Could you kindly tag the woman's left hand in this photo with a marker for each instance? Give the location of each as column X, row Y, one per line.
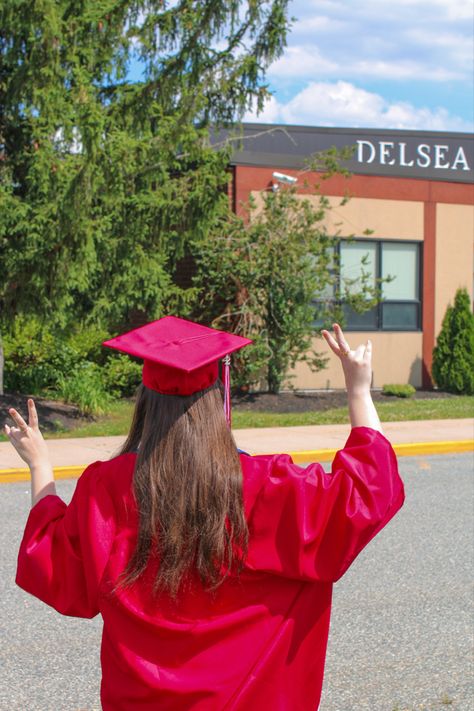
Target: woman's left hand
column 27, row 438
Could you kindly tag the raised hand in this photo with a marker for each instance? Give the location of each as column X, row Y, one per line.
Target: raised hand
column 27, row 438
column 357, row 367
column 356, row 364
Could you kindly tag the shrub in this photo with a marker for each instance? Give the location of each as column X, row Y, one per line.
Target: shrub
column 403, row 390
column 39, row 360
column 121, row 375
column 87, row 343
column 85, row 388
column 35, row 357
column 453, row 355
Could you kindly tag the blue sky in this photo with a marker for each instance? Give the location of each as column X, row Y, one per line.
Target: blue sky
column 376, row 63
column 404, row 64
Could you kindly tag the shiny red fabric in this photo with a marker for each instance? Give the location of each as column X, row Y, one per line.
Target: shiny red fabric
column 171, row 381
column 260, row 641
column 180, row 357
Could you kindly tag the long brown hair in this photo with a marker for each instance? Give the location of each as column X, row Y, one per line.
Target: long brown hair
column 188, row 488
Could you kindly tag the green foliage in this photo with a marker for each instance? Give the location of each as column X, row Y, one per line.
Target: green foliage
column 104, row 181
column 85, row 388
column 43, row 361
column 403, row 390
column 122, row 376
column 34, row 358
column 453, row 355
column 86, row 342
column 261, row 277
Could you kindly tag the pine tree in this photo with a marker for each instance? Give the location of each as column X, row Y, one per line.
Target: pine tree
column 104, row 179
column 453, row 355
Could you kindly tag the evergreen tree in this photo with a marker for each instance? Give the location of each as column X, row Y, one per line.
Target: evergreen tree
column 104, row 179
column 453, row 355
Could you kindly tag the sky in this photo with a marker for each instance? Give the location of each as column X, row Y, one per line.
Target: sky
column 404, row 64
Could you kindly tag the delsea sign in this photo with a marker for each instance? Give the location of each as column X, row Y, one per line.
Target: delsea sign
column 440, row 156
column 431, row 155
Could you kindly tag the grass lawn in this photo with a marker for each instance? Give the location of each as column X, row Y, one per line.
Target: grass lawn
column 118, row 420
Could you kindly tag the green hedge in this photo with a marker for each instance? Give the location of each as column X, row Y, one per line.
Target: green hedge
column 71, row 366
column 403, row 390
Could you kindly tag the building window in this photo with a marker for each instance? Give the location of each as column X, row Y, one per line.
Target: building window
column 400, row 309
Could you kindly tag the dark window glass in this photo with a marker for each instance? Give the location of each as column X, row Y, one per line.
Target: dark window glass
column 400, row 309
column 400, row 317
column 366, row 320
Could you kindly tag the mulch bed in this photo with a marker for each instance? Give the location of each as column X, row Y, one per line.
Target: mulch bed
column 56, row 416
column 53, row 415
column 320, row 400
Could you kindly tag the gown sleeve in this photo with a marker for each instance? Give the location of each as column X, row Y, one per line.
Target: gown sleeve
column 307, row 524
column 65, row 549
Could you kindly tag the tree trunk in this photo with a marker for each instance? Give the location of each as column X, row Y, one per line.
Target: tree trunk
column 274, row 378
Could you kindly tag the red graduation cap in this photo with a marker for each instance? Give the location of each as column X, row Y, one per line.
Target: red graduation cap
column 180, row 357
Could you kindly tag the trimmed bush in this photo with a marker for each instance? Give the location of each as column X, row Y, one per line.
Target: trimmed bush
column 453, row 355
column 403, row 390
column 85, row 388
column 35, row 358
column 121, row 375
column 87, row 343
column 39, row 361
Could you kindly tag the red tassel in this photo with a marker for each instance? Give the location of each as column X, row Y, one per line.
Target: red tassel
column 227, row 406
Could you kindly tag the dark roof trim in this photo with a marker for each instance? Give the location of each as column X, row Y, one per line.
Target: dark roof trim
column 432, row 155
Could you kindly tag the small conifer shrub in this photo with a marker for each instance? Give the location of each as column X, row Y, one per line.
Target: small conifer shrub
column 453, row 355
column 402, row 390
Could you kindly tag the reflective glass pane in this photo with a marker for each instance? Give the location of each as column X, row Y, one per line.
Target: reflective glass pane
column 400, row 261
column 402, row 317
column 327, row 292
column 357, row 258
column 353, row 320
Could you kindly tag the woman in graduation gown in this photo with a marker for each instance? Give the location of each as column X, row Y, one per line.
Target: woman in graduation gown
column 212, row 569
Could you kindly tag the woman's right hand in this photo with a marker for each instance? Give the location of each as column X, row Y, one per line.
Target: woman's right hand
column 356, row 364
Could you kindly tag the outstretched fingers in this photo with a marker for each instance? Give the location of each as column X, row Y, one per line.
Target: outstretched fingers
column 18, row 419
column 338, row 345
column 368, row 350
column 344, row 347
column 32, row 414
column 330, row 341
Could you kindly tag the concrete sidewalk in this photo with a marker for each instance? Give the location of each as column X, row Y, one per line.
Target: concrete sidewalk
column 305, row 444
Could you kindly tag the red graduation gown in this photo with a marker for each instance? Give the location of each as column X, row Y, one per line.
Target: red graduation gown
column 260, row 642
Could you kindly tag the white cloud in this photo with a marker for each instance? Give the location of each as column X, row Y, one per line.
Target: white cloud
column 319, row 22
column 418, row 39
column 458, row 47
column 451, row 9
column 300, row 62
column 307, row 62
column 343, row 104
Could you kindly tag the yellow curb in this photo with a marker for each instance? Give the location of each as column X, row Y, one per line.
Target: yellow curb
column 301, row 457
column 403, row 450
column 19, row 474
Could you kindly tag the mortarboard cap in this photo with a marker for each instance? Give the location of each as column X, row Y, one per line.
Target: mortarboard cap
column 180, row 357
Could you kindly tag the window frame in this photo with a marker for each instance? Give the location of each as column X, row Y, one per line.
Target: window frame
column 418, row 303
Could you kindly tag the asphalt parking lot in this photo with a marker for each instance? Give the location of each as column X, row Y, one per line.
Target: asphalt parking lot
column 402, row 626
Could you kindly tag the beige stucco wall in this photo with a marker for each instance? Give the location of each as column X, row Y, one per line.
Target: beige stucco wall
column 388, row 219
column 396, row 359
column 397, row 356
column 454, row 255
